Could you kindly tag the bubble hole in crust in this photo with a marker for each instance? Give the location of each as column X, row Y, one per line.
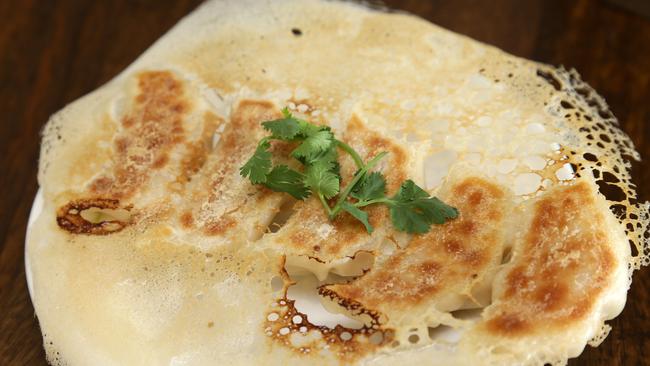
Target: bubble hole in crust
column 600, row 149
column 297, row 320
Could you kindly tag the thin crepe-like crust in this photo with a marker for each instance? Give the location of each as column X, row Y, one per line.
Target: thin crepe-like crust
column 152, row 249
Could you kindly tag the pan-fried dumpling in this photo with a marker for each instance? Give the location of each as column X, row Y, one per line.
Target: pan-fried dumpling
column 450, row 268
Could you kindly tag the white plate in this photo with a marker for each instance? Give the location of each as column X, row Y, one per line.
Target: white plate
column 37, row 207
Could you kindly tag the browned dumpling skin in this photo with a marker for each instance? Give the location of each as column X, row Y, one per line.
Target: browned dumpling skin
column 442, row 268
column 564, row 262
column 567, row 271
column 153, row 128
column 150, row 130
column 217, row 201
column 223, row 204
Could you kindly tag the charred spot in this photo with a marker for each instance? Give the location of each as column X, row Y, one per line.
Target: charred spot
column 347, row 344
column 283, row 321
column 296, row 32
column 72, row 219
column 351, row 305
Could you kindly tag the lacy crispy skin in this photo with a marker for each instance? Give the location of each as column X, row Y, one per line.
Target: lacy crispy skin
column 151, row 249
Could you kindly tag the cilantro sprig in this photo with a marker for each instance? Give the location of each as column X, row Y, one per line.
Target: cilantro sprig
column 411, row 209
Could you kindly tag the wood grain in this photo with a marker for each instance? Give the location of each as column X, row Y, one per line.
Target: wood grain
column 52, row 52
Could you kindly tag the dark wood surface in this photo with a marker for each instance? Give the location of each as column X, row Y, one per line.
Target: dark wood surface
column 52, row 52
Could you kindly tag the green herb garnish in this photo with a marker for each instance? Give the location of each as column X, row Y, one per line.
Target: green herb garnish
column 411, row 210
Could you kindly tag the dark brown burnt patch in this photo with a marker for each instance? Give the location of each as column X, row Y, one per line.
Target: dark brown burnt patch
column 290, row 328
column 71, row 218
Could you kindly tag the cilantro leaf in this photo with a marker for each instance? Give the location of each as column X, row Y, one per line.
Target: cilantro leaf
column 283, row 129
column 290, row 127
column 284, row 179
column 413, row 211
column 314, row 145
column 443, row 211
column 320, row 178
column 308, row 129
column 357, row 214
column 259, row 165
column 328, row 160
column 371, row 187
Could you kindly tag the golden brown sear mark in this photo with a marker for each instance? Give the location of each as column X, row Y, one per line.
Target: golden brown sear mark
column 237, row 143
column 223, row 202
column 152, row 127
column 564, row 265
column 69, row 217
column 220, row 226
column 197, row 152
column 449, row 260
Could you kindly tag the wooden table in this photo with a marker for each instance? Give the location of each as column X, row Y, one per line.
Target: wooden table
column 52, row 52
